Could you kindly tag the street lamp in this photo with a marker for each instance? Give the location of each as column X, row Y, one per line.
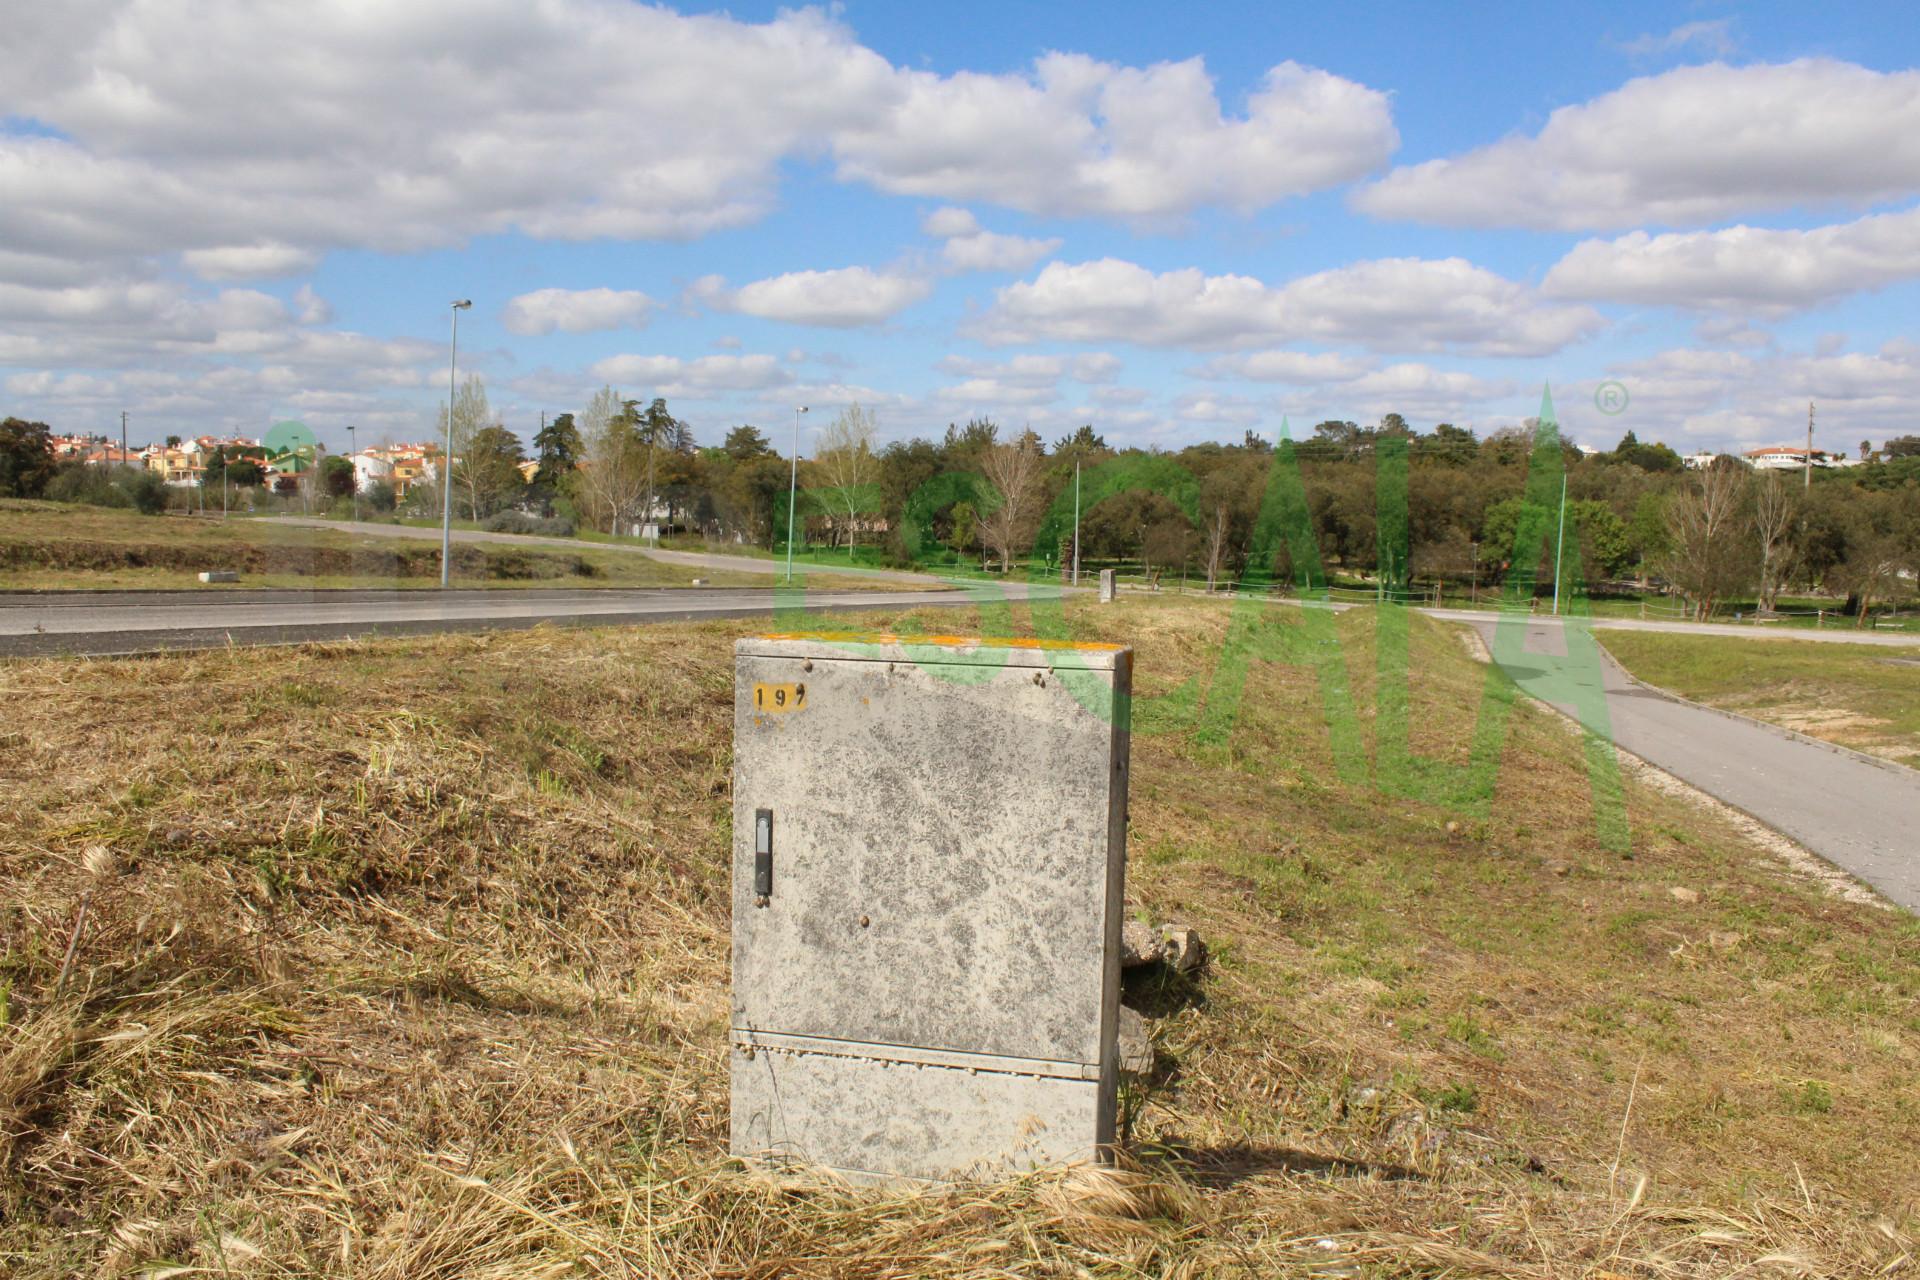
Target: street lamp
column 446, row 456
column 793, row 485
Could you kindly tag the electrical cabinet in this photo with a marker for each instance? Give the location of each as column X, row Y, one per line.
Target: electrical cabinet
column 928, row 859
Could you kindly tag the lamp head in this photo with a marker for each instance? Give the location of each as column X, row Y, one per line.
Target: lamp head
column 463, row 304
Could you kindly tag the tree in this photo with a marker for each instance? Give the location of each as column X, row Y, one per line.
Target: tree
column 1083, row 445
column 1608, row 546
column 1775, row 513
column 964, row 446
column 613, row 472
column 1882, row 549
column 380, row 495
column 26, row 458
column 846, row 460
column 1454, row 446
column 745, row 443
column 471, row 414
column 173, row 442
column 963, row 528
column 1229, row 499
column 336, row 476
column 1014, row 472
column 1649, row 532
column 490, row 471
column 1708, row 558
column 557, row 447
column 657, row 429
column 1902, row 447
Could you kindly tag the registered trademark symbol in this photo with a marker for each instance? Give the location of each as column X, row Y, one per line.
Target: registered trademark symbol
column 1610, row 398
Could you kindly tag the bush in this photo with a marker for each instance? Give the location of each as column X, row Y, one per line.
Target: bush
column 521, row 522
column 142, row 490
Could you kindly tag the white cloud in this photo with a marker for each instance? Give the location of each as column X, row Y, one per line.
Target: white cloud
column 1743, row 268
column 1419, row 390
column 576, row 311
column 845, row 297
column 45, row 385
column 1216, row 408
column 1079, row 136
column 948, row 222
column 969, row 247
column 250, row 262
column 988, row 395
column 271, row 137
column 1095, row 366
column 309, row 307
column 1397, row 304
column 1691, row 145
column 672, row 376
column 1713, row 36
column 1299, row 368
column 1715, row 398
column 988, row 251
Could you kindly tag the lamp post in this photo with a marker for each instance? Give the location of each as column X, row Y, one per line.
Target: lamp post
column 353, row 452
column 1560, row 543
column 446, row 456
column 1076, row 522
column 793, row 485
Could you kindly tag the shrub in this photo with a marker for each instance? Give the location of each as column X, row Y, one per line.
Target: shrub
column 521, row 522
column 142, row 490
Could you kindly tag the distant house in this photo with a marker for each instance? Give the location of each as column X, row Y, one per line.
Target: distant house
column 370, row 466
column 1789, row 458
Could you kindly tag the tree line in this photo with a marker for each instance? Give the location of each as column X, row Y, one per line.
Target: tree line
column 1635, row 518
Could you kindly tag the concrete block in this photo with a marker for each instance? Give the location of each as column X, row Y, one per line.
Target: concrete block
column 929, row 846
column 219, row 575
column 1106, row 586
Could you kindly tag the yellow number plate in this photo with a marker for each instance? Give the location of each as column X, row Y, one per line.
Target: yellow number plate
column 779, row 697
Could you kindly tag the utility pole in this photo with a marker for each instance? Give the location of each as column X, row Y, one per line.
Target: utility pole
column 446, row 458
column 123, row 437
column 793, row 484
column 1809, row 480
column 1561, row 544
column 353, row 454
column 1076, row 522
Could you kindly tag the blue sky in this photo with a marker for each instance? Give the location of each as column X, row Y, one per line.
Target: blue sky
column 1175, row 222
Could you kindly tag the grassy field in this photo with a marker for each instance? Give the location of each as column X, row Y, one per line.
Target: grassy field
column 47, row 546
column 408, row 959
column 1862, row 696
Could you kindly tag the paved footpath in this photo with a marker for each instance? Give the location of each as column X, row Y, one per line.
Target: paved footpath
column 1863, row 816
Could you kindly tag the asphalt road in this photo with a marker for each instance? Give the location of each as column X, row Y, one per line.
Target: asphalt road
column 100, row 624
column 1858, row 814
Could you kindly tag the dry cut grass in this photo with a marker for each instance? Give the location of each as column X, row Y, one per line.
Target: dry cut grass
column 51, row 546
column 1857, row 695
column 408, row 959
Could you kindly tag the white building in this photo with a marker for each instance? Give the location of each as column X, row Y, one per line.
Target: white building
column 370, row 465
column 1784, row 457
